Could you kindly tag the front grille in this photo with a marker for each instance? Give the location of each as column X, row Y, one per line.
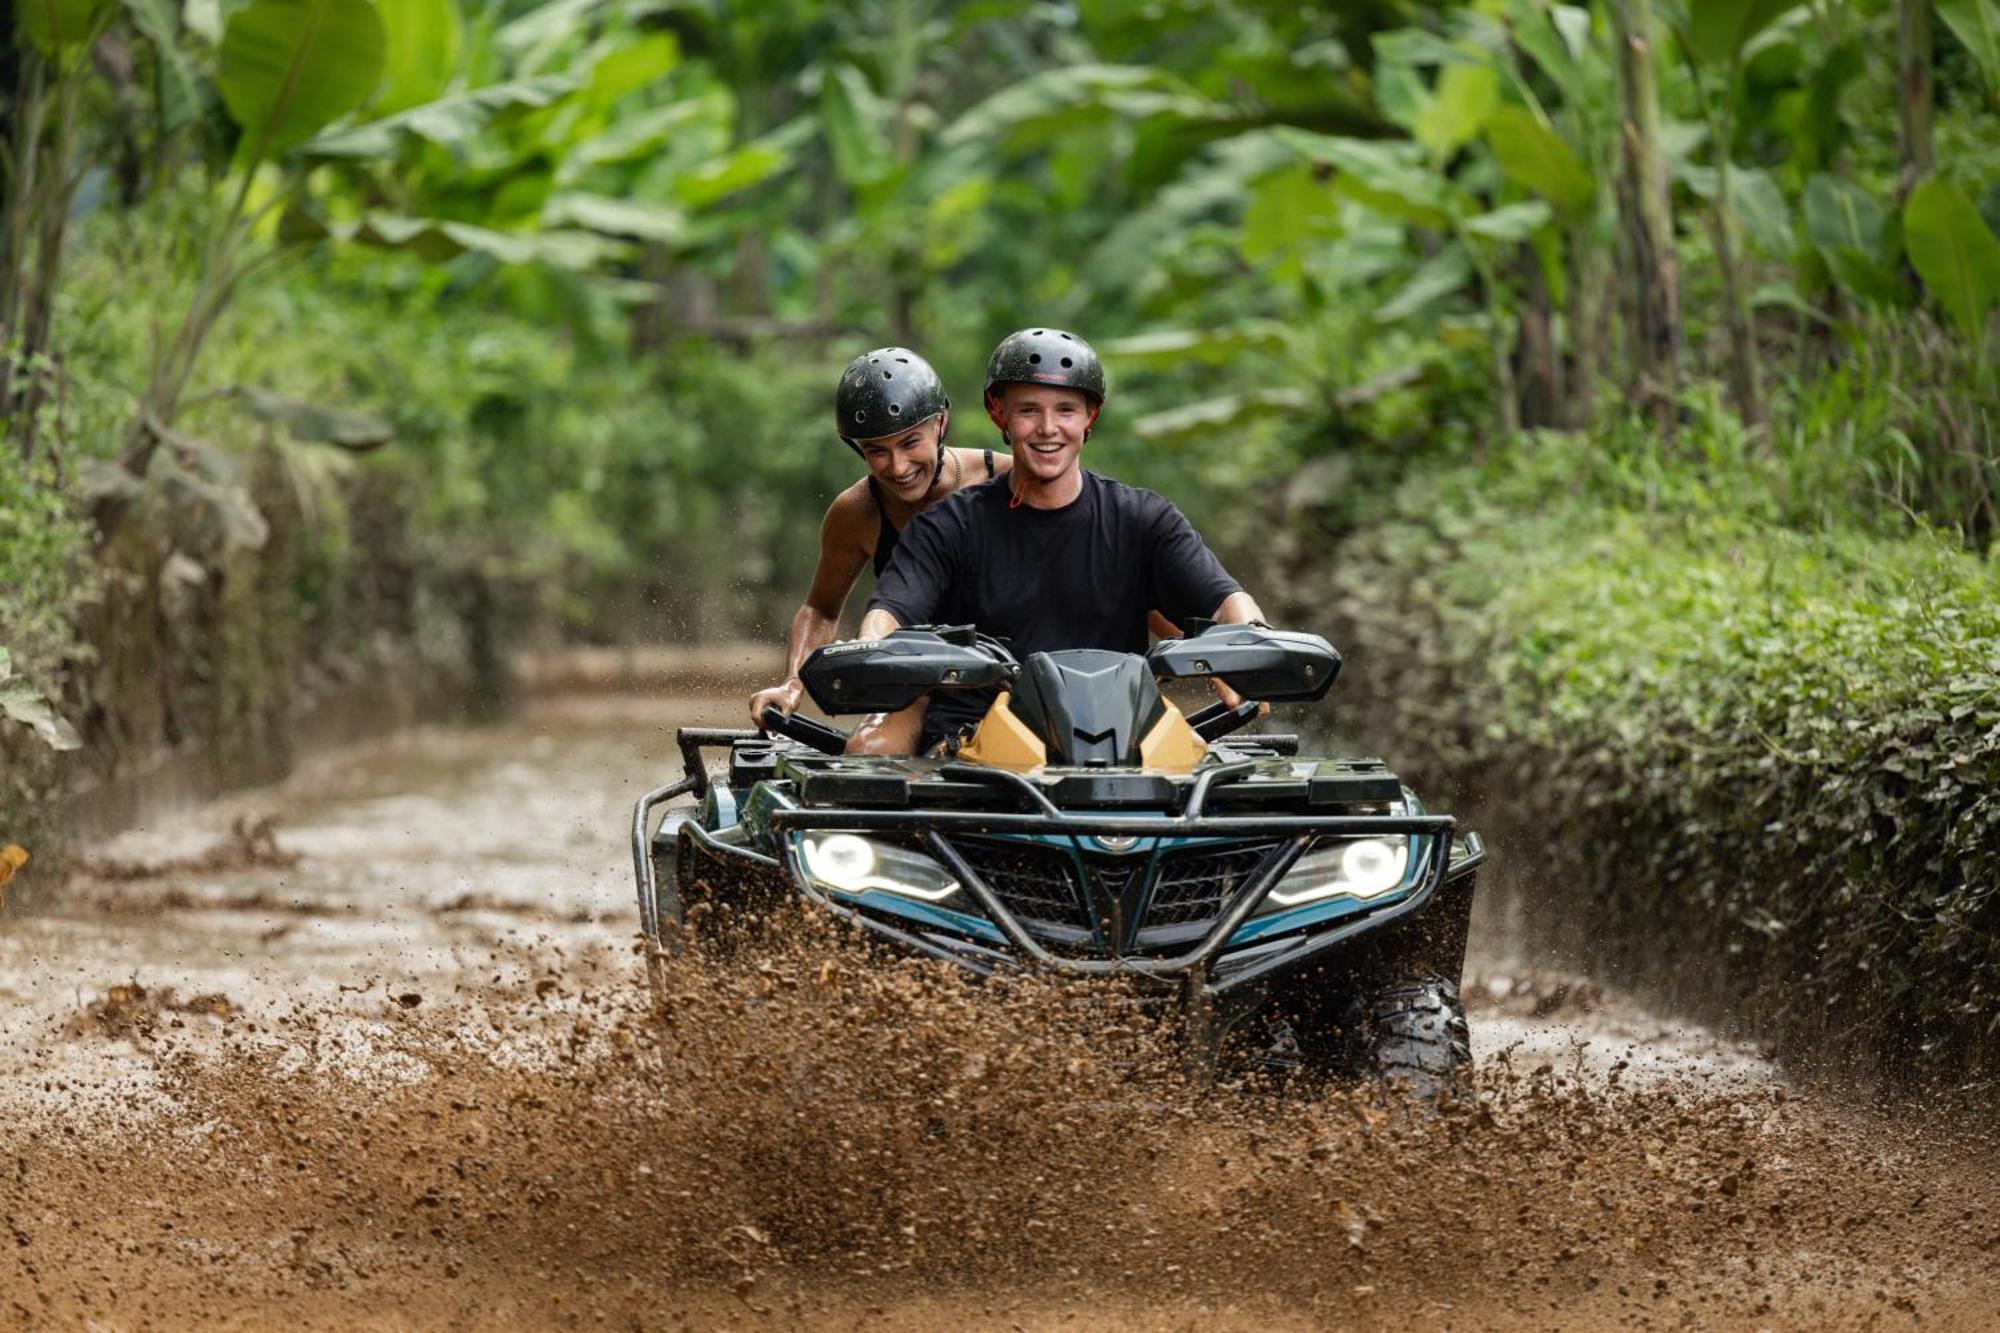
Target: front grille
column 1196, row 885
column 1036, row 883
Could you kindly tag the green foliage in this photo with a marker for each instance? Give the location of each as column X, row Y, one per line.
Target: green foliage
column 1536, row 156
column 58, row 27
column 1859, row 239
column 1976, row 24
column 1718, row 30
column 1779, row 751
column 1954, row 253
column 289, row 68
column 423, row 39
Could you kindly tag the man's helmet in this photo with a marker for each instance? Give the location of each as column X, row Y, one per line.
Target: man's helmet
column 1045, row 356
column 885, row 392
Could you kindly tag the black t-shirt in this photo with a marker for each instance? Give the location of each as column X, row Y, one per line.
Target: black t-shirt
column 1083, row 576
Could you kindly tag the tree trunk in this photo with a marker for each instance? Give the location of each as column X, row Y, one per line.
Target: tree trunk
column 1746, row 381
column 1589, row 279
column 1541, row 366
column 1913, row 93
column 1647, row 218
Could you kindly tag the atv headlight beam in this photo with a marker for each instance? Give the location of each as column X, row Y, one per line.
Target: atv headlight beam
column 850, row 863
column 1360, row 868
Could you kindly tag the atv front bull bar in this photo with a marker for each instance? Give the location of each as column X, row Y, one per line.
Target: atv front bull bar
column 1191, row 966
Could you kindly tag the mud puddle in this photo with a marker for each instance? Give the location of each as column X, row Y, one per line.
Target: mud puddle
column 387, row 1061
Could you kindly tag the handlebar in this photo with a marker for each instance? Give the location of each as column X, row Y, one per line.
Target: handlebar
column 818, row 735
column 1218, row 719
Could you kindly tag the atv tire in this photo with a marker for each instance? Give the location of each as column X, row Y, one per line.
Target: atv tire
column 1411, row 1036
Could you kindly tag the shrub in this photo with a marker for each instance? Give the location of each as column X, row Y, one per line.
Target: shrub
column 1727, row 749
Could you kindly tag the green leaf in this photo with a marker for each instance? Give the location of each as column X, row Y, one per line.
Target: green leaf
column 853, row 118
column 740, row 168
column 1512, row 224
column 1953, row 252
column 633, row 65
column 289, row 68
column 55, row 26
column 635, row 136
column 1444, row 273
column 447, row 122
column 1211, row 185
column 178, row 89
column 539, row 27
column 636, row 218
column 25, row 704
column 6, row 664
column 317, row 423
column 437, row 240
column 1169, row 348
column 1387, row 176
column 1856, row 235
column 1413, row 46
column 1544, row 32
column 1538, row 158
column 1754, row 199
column 1400, row 94
column 1045, row 105
column 1456, row 111
column 1224, row 413
column 1288, row 210
column 1976, row 24
column 1718, row 29
column 424, row 38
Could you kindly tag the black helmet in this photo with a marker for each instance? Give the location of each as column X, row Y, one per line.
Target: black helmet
column 1045, row 356
column 885, row 391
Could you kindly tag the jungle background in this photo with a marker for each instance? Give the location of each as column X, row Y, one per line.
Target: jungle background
column 1616, row 383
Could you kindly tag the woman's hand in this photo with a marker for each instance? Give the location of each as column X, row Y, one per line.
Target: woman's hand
column 785, row 698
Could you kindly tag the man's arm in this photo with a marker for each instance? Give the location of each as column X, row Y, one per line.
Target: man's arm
column 817, row 621
column 1239, row 608
column 878, row 624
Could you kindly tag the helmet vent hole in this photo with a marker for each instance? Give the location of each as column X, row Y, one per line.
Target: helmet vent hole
column 860, row 415
column 1067, row 363
column 1066, row 338
column 1034, row 358
column 895, row 409
column 888, row 374
column 904, row 359
column 1038, row 333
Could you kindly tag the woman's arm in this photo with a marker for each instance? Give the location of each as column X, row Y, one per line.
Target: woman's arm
column 843, row 550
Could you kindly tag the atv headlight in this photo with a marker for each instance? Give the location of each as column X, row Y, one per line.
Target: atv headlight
column 850, row 863
column 1361, row 868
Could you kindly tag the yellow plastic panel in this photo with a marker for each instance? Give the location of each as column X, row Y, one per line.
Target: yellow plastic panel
column 1172, row 744
column 1004, row 741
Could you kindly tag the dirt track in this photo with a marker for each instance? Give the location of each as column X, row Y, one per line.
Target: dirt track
column 391, row 1065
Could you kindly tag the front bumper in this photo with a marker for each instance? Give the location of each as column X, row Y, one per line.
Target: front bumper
column 1214, row 966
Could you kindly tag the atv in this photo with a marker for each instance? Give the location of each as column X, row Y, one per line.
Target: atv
column 1300, row 913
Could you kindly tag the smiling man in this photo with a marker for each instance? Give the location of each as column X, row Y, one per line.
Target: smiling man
column 1051, row 556
column 891, row 409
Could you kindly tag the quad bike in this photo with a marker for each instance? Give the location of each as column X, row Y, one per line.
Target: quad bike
column 1300, row 913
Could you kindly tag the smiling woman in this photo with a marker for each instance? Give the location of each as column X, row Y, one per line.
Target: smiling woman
column 890, row 408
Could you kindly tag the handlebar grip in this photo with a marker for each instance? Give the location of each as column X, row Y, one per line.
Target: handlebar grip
column 1214, row 725
column 818, row 735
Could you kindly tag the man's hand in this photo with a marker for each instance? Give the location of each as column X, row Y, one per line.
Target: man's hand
column 785, row 698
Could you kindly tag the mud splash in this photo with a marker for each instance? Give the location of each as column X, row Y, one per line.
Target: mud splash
column 482, row 1118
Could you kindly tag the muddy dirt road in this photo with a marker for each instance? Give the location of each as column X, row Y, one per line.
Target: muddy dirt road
column 389, row 1064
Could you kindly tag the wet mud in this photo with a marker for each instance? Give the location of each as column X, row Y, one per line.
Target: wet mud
column 390, row 1061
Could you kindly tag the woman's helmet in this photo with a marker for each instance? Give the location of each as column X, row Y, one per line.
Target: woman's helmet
column 885, row 392
column 1045, row 356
